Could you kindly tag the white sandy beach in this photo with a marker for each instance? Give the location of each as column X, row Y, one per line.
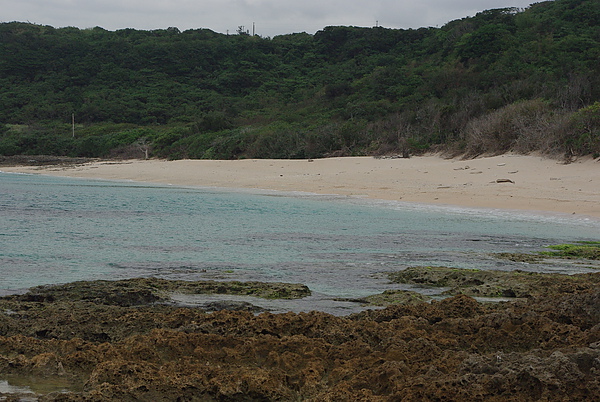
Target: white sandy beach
column 536, row 183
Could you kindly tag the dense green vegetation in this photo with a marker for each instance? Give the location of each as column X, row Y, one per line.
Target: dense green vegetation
column 505, row 79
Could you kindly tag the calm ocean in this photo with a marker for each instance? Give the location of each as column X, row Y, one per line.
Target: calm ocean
column 57, row 230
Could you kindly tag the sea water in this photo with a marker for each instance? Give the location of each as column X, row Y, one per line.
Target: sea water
column 59, row 230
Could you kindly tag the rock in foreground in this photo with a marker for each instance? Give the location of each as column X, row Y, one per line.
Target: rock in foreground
column 541, row 348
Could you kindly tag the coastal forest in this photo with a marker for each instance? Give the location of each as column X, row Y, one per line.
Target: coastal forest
column 504, row 80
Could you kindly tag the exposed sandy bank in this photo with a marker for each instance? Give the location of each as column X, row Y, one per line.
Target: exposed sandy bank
column 509, row 181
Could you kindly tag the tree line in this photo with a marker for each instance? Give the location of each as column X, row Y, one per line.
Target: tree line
column 504, row 80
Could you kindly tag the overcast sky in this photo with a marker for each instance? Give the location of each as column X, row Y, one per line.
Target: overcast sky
column 271, row 17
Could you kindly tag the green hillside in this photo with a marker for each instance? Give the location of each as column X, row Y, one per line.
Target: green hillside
column 503, row 80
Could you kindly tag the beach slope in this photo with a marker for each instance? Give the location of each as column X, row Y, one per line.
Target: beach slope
column 518, row 182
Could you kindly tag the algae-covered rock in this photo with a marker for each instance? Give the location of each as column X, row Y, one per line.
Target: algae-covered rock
column 481, row 283
column 391, row 297
column 541, row 348
column 584, row 250
column 143, row 291
column 580, row 250
column 520, row 257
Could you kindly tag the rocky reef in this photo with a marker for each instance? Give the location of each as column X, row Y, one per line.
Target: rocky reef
column 485, row 283
column 138, row 291
column 124, row 341
column 587, row 253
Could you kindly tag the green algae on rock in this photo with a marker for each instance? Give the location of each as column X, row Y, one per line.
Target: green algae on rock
column 586, row 250
column 583, row 250
column 479, row 283
column 142, row 291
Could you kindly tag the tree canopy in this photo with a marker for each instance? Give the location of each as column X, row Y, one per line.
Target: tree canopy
column 505, row 79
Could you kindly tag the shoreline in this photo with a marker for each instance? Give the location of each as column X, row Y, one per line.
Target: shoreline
column 140, row 339
column 506, row 182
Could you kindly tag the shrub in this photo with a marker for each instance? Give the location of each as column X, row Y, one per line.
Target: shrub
column 522, row 127
column 583, row 136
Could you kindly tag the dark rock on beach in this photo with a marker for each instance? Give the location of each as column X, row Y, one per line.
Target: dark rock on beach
column 138, row 347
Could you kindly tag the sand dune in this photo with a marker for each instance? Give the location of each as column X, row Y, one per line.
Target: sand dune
column 508, row 181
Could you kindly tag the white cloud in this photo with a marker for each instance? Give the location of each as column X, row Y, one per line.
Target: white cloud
column 272, row 17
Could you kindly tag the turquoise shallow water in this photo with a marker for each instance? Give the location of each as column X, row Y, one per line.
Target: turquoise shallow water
column 57, row 230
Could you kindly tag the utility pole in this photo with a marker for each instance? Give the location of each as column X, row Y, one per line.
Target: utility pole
column 73, row 123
